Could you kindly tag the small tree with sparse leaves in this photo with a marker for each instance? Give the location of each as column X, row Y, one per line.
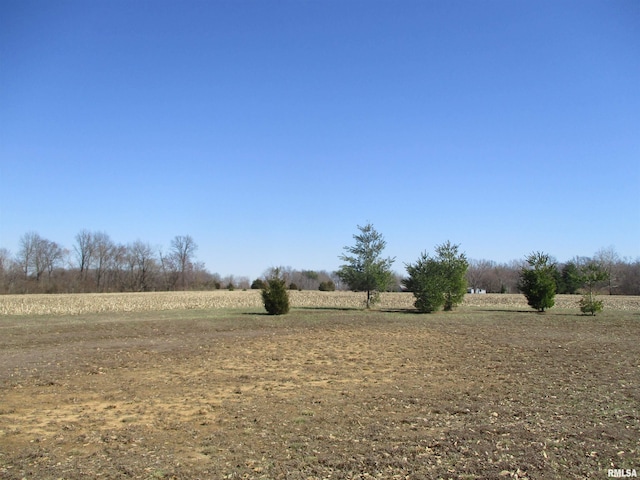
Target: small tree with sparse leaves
column 275, row 295
column 591, row 275
column 365, row 270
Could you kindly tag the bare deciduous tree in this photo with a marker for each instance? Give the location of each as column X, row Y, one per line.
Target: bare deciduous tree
column 609, row 259
column 103, row 252
column 5, row 268
column 480, row 274
column 27, row 251
column 38, row 255
column 629, row 281
column 116, row 275
column 170, row 270
column 84, row 252
column 182, row 249
column 52, row 256
column 141, row 266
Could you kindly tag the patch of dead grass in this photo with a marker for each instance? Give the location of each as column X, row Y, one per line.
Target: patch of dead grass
column 81, row 304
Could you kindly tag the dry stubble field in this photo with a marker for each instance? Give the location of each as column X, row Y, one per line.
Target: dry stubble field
column 204, row 385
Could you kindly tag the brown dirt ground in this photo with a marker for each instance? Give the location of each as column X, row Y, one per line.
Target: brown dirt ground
column 321, row 393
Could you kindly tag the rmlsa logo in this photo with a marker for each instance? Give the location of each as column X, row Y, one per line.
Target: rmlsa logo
column 622, row 472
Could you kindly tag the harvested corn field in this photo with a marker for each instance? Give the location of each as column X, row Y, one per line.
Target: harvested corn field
column 78, row 304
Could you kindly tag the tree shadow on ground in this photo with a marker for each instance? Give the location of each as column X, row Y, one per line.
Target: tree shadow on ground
column 400, row 310
column 343, row 309
column 507, row 310
column 310, row 309
column 535, row 312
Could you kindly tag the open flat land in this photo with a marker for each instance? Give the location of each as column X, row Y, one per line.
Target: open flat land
column 204, row 385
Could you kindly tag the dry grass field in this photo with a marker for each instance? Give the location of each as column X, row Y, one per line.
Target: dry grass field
column 77, row 304
column 206, row 386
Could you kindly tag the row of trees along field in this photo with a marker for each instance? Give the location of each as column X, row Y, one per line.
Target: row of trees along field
column 96, row 263
column 441, row 281
column 623, row 274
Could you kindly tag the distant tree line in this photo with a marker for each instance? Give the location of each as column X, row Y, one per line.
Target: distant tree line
column 623, row 274
column 301, row 279
column 96, row 263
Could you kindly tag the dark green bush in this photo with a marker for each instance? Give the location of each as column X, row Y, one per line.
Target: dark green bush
column 257, row 284
column 327, row 286
column 537, row 281
column 275, row 296
column 425, row 284
column 438, row 282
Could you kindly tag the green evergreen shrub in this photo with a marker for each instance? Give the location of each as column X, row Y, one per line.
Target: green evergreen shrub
column 590, row 305
column 592, row 275
column 537, row 281
column 440, row 281
column 275, row 295
column 327, row 286
column 365, row 270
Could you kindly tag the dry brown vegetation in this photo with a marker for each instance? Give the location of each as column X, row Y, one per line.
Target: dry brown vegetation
column 77, row 304
column 328, row 391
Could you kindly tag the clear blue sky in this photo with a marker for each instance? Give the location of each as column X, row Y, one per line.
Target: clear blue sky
column 267, row 130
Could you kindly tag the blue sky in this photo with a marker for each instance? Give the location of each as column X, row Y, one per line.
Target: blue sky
column 267, row 130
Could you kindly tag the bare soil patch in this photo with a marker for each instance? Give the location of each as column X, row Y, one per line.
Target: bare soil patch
column 321, row 393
